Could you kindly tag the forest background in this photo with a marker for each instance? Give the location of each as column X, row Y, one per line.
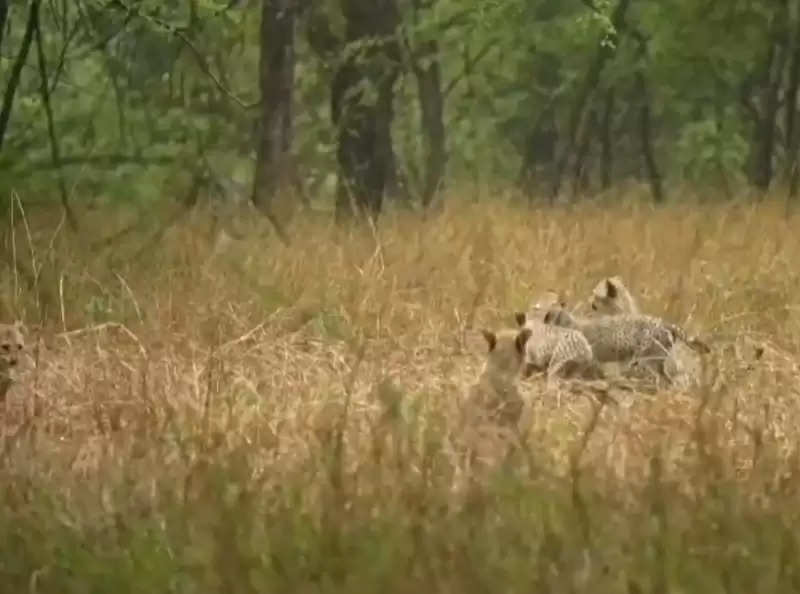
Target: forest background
column 253, row 243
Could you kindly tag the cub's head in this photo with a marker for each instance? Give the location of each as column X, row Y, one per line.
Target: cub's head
column 611, row 296
column 12, row 343
column 506, row 349
column 560, row 317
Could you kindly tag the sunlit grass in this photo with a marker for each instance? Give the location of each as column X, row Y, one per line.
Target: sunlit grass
column 200, row 416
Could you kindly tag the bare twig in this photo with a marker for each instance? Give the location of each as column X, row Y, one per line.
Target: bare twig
column 106, row 326
column 62, row 56
column 16, row 69
column 470, row 63
column 54, row 150
column 179, row 32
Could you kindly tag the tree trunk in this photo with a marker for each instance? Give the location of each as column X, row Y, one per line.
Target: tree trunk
column 765, row 131
column 276, row 78
column 606, row 135
column 577, row 118
column 792, row 144
column 766, row 125
column 364, row 153
column 580, row 172
column 429, row 82
column 645, row 131
column 427, row 71
column 540, row 151
column 3, row 17
column 16, row 70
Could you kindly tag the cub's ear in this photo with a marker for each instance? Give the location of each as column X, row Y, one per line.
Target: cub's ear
column 550, row 317
column 520, row 318
column 522, row 339
column 611, row 288
column 491, row 339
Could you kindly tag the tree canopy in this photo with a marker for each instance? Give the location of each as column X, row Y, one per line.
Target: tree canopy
column 147, row 100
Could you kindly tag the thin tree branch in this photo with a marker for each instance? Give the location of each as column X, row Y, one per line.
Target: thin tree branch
column 180, row 33
column 16, row 70
column 69, row 36
column 102, row 43
column 110, row 160
column 471, row 62
column 201, row 61
column 51, row 130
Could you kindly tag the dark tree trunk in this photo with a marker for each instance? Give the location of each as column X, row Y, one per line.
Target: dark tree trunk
column 276, row 78
column 765, row 131
column 792, row 144
column 3, row 17
column 791, row 97
column 607, row 145
column 770, row 104
column 645, row 135
column 583, row 101
column 16, row 70
column 580, row 172
column 540, row 150
column 427, row 71
column 364, row 153
column 396, row 180
column 429, row 82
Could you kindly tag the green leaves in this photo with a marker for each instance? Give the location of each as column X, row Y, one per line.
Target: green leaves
column 710, row 147
column 149, row 77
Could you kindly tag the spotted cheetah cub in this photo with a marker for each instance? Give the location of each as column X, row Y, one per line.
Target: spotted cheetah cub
column 628, row 337
column 496, row 390
column 611, row 296
column 558, row 351
column 12, row 343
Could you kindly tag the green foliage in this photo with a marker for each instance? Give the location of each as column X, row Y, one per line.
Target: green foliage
column 143, row 91
column 710, row 148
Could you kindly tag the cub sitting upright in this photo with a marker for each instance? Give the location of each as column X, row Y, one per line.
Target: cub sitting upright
column 496, row 389
column 12, row 343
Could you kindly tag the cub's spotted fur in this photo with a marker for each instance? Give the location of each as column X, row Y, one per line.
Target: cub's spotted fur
column 560, row 352
column 12, row 344
column 612, row 297
column 627, row 337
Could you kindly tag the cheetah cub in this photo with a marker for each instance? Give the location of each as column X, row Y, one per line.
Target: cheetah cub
column 560, row 352
column 496, row 389
column 628, row 337
column 12, row 343
column 611, row 296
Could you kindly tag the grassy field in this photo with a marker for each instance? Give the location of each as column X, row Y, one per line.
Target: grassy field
column 263, row 418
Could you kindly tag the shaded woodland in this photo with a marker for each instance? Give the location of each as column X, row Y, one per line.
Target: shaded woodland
column 350, row 104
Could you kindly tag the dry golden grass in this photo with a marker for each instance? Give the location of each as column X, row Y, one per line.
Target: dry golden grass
column 342, row 359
